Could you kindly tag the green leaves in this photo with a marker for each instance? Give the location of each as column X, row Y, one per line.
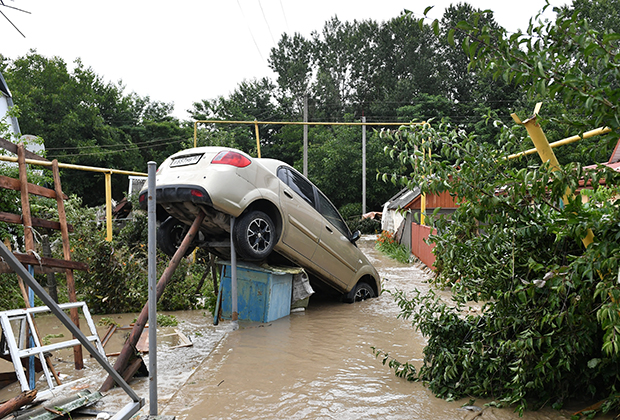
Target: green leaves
column 549, row 328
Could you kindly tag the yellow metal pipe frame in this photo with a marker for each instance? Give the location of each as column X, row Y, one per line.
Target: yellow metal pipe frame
column 568, row 140
column 546, row 153
column 108, row 207
column 108, row 182
column 256, row 123
column 257, row 137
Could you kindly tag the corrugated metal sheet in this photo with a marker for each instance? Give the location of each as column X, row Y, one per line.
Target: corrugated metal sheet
column 419, row 248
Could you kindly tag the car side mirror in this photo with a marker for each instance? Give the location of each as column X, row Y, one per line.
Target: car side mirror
column 355, row 237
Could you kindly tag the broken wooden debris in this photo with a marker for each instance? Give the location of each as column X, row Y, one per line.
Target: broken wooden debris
column 130, row 346
column 17, row 402
column 143, row 343
column 109, row 333
column 55, row 408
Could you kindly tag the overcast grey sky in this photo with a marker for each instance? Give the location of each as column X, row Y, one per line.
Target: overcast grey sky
column 183, row 51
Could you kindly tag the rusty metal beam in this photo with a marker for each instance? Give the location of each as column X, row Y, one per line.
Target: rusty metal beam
column 129, row 347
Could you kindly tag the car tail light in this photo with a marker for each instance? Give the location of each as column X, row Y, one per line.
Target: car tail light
column 231, row 158
column 196, row 193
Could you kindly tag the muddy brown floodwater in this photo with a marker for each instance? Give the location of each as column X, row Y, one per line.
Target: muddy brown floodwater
column 316, row 364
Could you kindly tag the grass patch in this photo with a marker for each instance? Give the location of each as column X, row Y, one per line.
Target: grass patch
column 390, row 247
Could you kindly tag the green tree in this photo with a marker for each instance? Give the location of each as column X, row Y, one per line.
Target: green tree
column 251, row 100
column 547, row 328
column 87, row 121
column 292, row 60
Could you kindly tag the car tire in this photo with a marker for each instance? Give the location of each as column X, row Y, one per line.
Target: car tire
column 255, row 236
column 170, row 235
column 361, row 291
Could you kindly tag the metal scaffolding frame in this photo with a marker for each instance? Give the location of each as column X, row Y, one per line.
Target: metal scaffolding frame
column 130, row 409
column 19, row 349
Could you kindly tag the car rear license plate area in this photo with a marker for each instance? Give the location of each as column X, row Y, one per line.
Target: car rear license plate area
column 186, row 160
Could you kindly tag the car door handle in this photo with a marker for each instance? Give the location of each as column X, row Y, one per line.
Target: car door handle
column 288, row 194
column 329, row 229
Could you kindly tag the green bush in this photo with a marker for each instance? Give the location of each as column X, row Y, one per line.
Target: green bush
column 365, row 226
column 390, row 247
column 548, row 325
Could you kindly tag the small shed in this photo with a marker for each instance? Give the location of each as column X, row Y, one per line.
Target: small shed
column 401, row 217
column 405, row 208
column 393, row 214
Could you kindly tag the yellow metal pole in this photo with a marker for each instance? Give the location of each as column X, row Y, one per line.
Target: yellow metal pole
column 257, row 137
column 423, row 198
column 568, row 140
column 308, row 123
column 108, row 205
column 540, row 142
column 546, row 153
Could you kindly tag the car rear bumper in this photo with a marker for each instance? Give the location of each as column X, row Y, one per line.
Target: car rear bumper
column 177, row 194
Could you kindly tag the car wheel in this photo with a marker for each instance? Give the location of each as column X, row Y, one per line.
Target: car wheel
column 170, row 235
column 255, row 236
column 361, row 291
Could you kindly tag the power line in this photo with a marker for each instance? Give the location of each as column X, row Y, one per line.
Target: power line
column 6, row 17
column 284, row 14
column 267, row 23
column 147, row 143
column 250, row 30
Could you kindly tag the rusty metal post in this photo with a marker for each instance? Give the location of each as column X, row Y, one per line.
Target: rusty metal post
column 233, row 274
column 129, row 347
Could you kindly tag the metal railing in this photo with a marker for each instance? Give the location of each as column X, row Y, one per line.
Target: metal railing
column 108, row 182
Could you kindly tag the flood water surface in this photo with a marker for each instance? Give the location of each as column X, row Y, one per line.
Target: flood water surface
column 319, row 364
column 316, row 364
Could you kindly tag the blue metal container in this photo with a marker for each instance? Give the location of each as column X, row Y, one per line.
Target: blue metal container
column 262, row 295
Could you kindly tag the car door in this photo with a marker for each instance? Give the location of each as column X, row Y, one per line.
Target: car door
column 302, row 224
column 335, row 252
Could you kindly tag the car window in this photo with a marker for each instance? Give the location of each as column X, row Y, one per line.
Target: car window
column 283, row 174
column 327, row 209
column 298, row 183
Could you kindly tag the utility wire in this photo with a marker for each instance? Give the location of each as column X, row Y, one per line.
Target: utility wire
column 267, row 23
column 250, row 30
column 284, row 14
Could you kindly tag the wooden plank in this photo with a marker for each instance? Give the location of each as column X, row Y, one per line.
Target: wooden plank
column 5, row 268
column 185, row 342
column 12, row 147
column 50, row 262
column 36, row 222
column 66, row 250
column 9, row 183
column 132, row 369
column 28, row 235
column 143, row 343
column 108, row 335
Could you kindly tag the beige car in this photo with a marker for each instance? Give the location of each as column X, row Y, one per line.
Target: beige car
column 280, row 217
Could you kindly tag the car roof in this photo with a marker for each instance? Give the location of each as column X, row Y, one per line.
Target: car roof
column 271, row 165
